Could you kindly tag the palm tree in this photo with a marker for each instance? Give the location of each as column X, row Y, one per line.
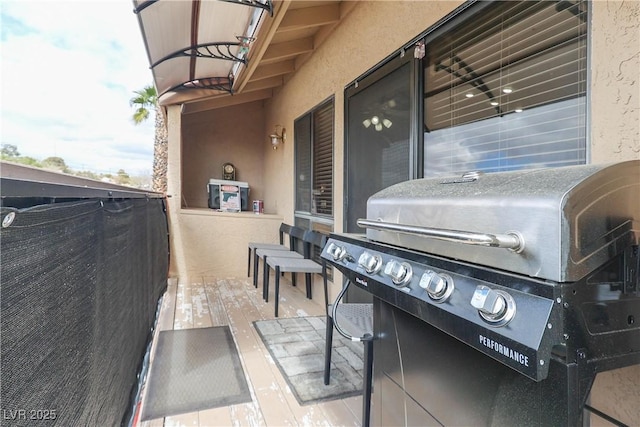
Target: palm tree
column 144, row 100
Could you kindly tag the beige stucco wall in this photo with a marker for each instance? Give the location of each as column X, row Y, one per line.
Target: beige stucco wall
column 614, row 132
column 371, row 31
column 218, row 241
column 212, row 138
column 615, row 81
column 204, row 242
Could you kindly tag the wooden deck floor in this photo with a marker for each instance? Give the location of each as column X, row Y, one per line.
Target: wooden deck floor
column 235, row 302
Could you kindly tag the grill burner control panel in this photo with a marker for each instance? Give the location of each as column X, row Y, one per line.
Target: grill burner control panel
column 512, row 324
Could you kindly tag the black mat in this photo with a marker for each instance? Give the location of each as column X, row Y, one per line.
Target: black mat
column 297, row 347
column 194, row 370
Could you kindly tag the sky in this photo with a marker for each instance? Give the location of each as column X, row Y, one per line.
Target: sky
column 69, row 69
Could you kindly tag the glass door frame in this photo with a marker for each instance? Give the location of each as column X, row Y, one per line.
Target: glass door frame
column 416, row 149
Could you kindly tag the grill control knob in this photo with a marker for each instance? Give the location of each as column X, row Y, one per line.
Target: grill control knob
column 370, row 262
column 438, row 286
column 337, row 252
column 495, row 306
column 400, row 273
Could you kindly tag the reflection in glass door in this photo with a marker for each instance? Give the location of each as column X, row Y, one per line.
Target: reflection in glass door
column 378, row 146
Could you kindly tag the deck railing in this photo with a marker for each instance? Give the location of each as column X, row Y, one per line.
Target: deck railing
column 82, row 270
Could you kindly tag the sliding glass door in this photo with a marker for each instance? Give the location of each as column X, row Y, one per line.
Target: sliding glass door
column 378, row 141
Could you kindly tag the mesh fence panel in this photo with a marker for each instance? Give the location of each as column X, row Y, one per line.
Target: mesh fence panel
column 79, row 287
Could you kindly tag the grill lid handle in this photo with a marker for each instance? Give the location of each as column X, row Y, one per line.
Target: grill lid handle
column 511, row 240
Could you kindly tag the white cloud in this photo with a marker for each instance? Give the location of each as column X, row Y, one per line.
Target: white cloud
column 68, row 72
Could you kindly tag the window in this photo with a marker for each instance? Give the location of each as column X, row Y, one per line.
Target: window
column 313, row 135
column 506, row 89
column 314, row 162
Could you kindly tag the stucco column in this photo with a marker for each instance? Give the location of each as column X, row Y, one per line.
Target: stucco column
column 177, row 265
column 615, row 129
column 615, row 81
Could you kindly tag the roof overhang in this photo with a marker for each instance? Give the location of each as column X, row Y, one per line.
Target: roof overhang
column 202, row 52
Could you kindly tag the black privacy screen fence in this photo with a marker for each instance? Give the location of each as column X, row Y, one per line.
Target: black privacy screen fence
column 79, row 290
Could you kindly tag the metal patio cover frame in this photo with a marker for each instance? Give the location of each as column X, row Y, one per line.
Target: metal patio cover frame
column 201, row 55
column 201, row 45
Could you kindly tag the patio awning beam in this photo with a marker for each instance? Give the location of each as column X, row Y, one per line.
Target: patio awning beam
column 214, row 50
column 189, row 41
column 143, row 5
column 266, row 4
column 224, row 84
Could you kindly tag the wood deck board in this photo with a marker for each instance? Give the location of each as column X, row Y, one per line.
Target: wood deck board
column 168, row 309
column 209, row 301
column 268, row 394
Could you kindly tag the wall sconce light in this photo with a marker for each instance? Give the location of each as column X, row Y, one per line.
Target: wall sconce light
column 278, row 138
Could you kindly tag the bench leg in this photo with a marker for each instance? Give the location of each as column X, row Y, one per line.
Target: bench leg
column 277, row 297
column 249, row 264
column 308, row 283
column 265, row 280
column 255, row 269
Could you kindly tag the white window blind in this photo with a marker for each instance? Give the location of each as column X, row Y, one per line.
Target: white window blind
column 323, row 159
column 302, row 135
column 314, row 161
column 506, row 89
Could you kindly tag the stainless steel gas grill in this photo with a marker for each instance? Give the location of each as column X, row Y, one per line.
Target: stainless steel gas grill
column 498, row 297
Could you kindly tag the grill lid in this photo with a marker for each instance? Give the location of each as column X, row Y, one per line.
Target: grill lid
column 557, row 224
